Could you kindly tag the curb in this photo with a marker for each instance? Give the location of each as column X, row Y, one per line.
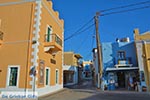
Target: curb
column 53, row 93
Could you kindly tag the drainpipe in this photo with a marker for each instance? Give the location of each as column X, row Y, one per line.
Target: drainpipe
column 29, row 49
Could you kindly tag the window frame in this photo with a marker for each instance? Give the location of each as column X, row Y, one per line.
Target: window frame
column 8, row 75
column 120, row 53
column 49, row 34
column 56, row 76
column 47, row 68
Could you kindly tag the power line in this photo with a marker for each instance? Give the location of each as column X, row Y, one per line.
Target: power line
column 123, row 11
column 82, row 43
column 110, row 13
column 92, row 46
column 87, row 37
column 79, row 30
column 130, row 5
column 77, row 33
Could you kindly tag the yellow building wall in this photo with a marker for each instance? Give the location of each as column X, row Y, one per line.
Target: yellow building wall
column 7, row 1
column 68, row 58
column 15, row 24
column 75, row 61
column 48, row 20
column 138, row 36
column 146, row 53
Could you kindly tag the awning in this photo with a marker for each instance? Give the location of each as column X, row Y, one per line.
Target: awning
column 122, row 69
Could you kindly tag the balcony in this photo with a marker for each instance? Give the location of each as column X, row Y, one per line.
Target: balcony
column 124, row 63
column 52, row 43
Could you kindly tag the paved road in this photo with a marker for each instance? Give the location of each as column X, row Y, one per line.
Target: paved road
column 87, row 92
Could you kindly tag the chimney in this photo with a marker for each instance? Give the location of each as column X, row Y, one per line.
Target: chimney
column 136, row 31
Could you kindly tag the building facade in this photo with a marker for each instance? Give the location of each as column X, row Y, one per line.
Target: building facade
column 119, row 64
column 87, row 69
column 142, row 42
column 31, row 46
column 72, row 71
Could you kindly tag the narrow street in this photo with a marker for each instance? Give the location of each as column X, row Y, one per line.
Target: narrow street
column 86, row 91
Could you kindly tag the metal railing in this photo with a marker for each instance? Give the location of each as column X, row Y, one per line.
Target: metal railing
column 125, row 61
column 53, row 38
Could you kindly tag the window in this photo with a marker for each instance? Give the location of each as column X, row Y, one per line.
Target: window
column 13, row 76
column 49, row 34
column 47, row 77
column 1, row 35
column 57, row 77
column 121, row 55
column 58, row 40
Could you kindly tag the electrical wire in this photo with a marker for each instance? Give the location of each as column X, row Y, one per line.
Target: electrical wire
column 77, row 33
column 92, row 46
column 110, row 13
column 123, row 11
column 82, row 44
column 113, row 12
column 130, row 5
column 79, row 30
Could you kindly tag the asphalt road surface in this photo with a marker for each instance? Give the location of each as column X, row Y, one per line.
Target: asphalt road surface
column 87, row 92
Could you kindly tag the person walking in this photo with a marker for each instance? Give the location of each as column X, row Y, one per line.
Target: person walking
column 130, row 83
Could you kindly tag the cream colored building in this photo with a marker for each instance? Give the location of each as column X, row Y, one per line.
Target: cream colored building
column 143, row 54
column 31, row 46
column 71, row 70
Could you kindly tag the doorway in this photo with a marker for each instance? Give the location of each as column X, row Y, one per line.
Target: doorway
column 121, row 79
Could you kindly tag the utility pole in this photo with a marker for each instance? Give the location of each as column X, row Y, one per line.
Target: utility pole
column 99, row 52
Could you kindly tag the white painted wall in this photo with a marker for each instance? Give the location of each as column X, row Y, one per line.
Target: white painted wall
column 95, row 61
column 49, row 89
column 72, row 68
column 139, row 48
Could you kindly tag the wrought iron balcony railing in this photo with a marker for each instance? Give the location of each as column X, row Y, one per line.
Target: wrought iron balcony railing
column 53, row 41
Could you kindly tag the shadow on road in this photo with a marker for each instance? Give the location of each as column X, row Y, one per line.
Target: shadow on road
column 86, row 91
column 84, row 84
column 113, row 95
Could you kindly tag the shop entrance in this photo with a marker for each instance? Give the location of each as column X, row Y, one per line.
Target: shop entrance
column 121, row 79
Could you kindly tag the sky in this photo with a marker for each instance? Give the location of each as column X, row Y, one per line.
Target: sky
column 76, row 13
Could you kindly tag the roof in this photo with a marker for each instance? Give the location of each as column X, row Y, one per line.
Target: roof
column 78, row 56
column 148, row 32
